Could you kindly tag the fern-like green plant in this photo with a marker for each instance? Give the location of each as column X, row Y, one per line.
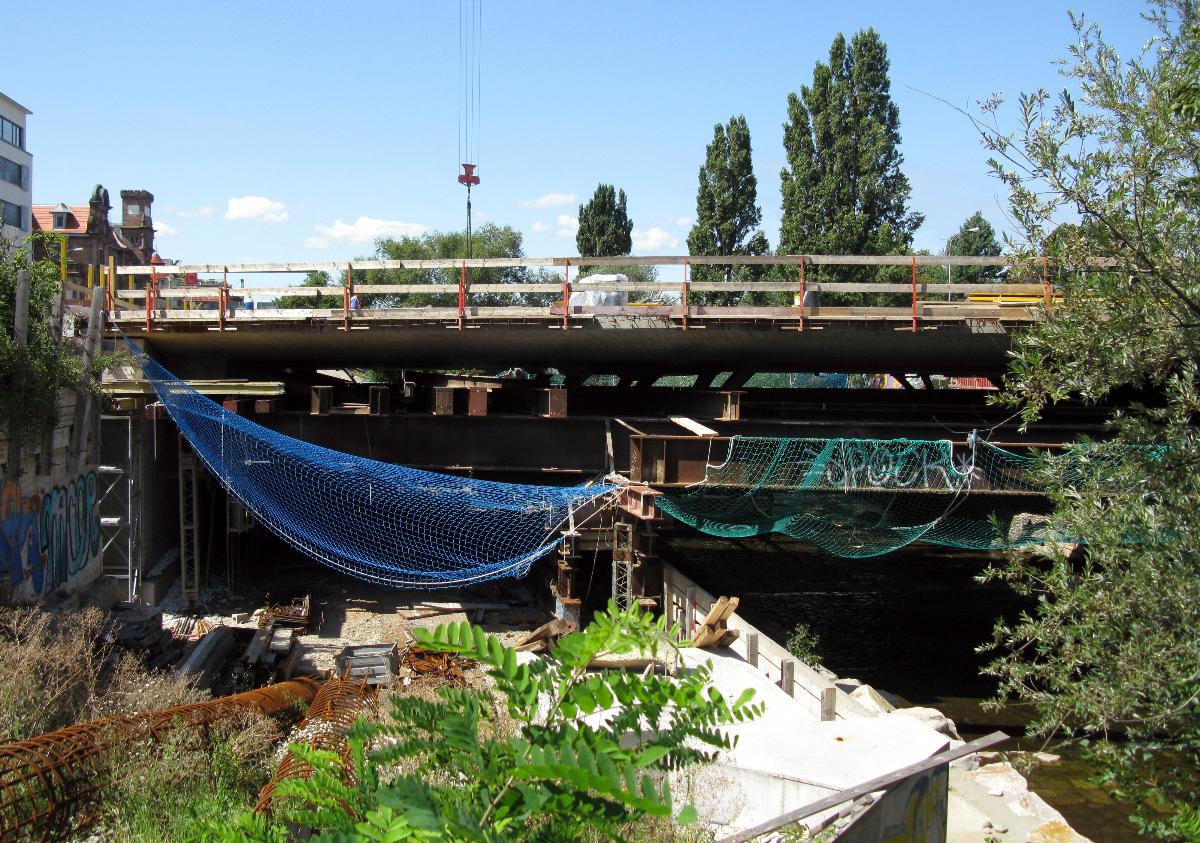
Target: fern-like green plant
column 590, row 754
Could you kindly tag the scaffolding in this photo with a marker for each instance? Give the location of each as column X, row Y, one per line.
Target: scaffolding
column 622, row 563
column 118, row 505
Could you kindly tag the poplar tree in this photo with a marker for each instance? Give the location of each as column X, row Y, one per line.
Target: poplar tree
column 727, row 212
column 604, row 225
column 843, row 190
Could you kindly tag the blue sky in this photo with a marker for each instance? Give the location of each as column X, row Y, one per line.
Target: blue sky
column 299, row 131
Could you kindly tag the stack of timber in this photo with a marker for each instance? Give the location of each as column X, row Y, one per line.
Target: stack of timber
column 273, row 651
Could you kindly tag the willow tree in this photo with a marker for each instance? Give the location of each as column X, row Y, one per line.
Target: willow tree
column 1112, row 643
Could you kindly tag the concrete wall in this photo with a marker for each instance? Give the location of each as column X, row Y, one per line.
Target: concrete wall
column 49, row 516
column 21, row 195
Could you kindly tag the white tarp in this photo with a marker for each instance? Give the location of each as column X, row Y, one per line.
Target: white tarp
column 582, row 297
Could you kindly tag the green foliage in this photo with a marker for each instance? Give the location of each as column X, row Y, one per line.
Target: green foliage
column 487, row 241
column 589, row 758
column 604, row 225
column 32, row 376
column 164, row 789
column 804, row 644
column 727, row 212
column 843, row 190
column 974, row 237
column 332, row 298
column 1111, row 644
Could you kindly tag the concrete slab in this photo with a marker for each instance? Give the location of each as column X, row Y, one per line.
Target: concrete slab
column 786, row 759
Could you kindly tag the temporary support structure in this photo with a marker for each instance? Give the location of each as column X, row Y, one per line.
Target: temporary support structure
column 189, row 521
column 622, row 563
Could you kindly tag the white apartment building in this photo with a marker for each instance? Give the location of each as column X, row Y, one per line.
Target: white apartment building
column 16, row 172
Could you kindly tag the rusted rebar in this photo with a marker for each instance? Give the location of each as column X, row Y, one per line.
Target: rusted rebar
column 330, row 716
column 45, row 780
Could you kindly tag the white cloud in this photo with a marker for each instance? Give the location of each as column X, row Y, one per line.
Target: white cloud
column 550, row 200
column 568, row 225
column 200, row 213
column 164, row 230
column 684, row 222
column 256, row 208
column 538, row 227
column 653, row 239
column 363, row 230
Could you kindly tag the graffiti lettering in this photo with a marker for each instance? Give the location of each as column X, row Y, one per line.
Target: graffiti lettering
column 48, row 537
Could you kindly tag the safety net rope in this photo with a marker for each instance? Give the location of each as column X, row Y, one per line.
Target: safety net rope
column 384, row 523
column 867, row 497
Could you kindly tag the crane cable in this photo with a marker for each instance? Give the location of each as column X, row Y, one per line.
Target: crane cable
column 470, row 49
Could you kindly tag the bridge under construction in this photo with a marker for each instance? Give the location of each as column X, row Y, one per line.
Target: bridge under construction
column 546, row 420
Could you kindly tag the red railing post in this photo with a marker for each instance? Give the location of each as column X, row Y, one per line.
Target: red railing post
column 684, row 295
column 151, row 295
column 567, row 294
column 347, row 292
column 223, row 299
column 1046, row 280
column 803, row 289
column 914, row 294
column 462, row 295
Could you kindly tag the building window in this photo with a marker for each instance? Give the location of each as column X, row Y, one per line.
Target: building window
column 11, row 214
column 12, row 133
column 61, row 220
column 10, row 171
column 134, row 209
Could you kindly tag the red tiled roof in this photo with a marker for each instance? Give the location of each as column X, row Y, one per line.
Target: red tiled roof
column 77, row 222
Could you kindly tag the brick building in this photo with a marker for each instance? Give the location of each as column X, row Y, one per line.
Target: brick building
column 93, row 239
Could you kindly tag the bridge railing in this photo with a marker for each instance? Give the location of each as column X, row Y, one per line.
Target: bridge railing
column 676, row 299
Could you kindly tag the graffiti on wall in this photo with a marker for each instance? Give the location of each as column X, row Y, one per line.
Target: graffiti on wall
column 48, row 537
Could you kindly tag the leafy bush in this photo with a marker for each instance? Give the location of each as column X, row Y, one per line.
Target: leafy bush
column 590, row 756
column 804, row 644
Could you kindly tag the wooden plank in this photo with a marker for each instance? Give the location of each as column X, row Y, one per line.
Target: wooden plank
column 693, row 425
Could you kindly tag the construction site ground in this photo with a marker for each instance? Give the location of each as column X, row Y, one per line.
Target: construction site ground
column 346, row 612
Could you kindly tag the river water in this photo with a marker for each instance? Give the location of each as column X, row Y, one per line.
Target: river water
column 909, row 623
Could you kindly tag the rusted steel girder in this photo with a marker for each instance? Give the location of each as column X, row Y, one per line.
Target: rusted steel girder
column 330, row 715
column 45, row 780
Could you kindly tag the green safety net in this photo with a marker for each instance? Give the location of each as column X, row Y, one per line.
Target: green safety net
column 866, row 497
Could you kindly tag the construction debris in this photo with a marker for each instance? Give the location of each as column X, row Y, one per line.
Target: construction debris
column 206, row 662
column 295, row 613
column 333, row 711
column 375, row 664
column 442, row 665
column 714, row 631
column 546, row 636
column 139, row 629
column 44, row 781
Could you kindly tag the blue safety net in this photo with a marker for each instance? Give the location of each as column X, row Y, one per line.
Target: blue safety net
column 384, row 523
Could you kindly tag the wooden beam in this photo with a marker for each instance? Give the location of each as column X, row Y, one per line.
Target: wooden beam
column 623, row 260
column 694, row 426
column 122, row 388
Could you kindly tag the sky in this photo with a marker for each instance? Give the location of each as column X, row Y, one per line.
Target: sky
column 302, row 131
